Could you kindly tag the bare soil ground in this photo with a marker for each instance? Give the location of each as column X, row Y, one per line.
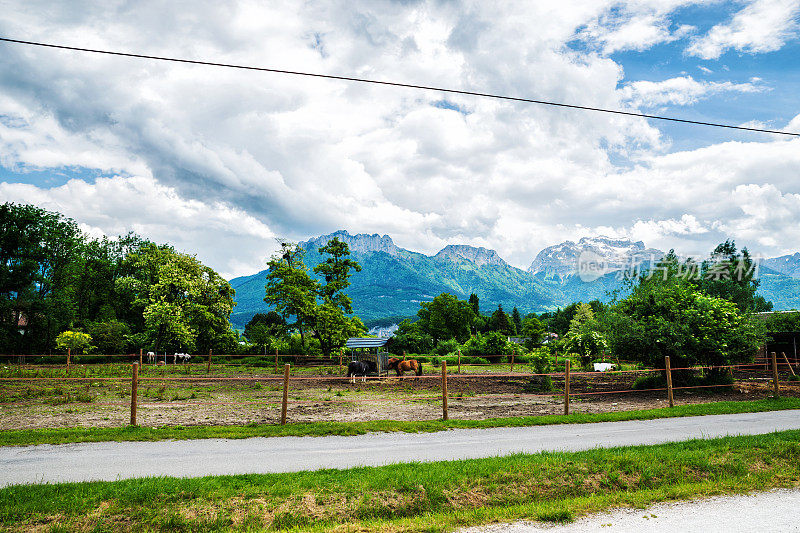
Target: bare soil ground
column 316, row 398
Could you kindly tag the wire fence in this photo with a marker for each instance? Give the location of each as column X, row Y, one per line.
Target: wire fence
column 427, row 388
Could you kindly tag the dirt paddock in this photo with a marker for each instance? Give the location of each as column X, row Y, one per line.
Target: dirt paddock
column 327, row 398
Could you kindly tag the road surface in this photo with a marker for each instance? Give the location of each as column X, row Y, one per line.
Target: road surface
column 776, row 511
column 193, row 458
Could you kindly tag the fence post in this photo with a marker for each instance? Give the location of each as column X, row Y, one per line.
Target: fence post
column 775, row 373
column 512, row 362
column 669, row 381
column 140, row 357
column 134, row 392
column 285, row 393
column 783, row 354
column 208, row 363
column 69, row 352
column 276, row 360
column 444, row 389
column 566, row 387
column 459, row 361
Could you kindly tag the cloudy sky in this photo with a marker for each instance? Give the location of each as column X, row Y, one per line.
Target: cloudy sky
column 219, row 162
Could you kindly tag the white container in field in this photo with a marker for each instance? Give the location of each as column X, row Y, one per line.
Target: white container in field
column 603, row 367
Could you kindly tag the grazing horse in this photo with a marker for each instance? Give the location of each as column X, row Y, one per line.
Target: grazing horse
column 358, row 368
column 403, row 365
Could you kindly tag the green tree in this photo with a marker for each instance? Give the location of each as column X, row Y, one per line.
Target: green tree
column 184, row 304
column 533, row 330
column 500, row 322
column 731, row 275
column 475, row 304
column 335, row 270
column 584, row 336
column 290, row 289
column 76, row 341
column 516, row 318
column 332, row 328
column 272, row 323
column 110, row 337
column 672, row 317
column 37, row 249
column 782, row 322
column 410, row 338
column 446, row 317
column 294, row 293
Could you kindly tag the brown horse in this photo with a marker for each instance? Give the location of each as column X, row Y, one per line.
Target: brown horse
column 404, row 365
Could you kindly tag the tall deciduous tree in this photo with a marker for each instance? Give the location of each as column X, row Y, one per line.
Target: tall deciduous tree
column 185, row 305
column 331, row 327
column 335, row 270
column 290, row 289
column 731, row 275
column 37, row 248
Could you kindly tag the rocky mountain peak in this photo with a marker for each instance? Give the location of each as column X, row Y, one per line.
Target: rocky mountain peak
column 478, row 255
column 358, row 243
column 785, row 264
column 617, row 254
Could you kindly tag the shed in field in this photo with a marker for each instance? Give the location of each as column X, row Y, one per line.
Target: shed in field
column 369, row 349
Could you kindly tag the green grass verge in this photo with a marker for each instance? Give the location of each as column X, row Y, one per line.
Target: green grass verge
column 319, row 429
column 415, row 497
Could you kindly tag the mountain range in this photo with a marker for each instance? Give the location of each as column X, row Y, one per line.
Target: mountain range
column 393, row 281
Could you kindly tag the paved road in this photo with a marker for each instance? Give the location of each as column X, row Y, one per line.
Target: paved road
column 192, row 458
column 776, row 511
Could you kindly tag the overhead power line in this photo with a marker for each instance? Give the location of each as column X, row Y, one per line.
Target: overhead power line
column 399, row 84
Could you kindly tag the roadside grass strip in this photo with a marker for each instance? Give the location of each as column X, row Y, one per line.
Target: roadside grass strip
column 321, row 429
column 441, row 496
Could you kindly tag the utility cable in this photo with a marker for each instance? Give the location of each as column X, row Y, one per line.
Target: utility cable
column 399, row 84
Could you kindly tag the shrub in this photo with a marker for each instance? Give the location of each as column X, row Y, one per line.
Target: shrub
column 446, row 347
column 541, row 364
column 650, row 381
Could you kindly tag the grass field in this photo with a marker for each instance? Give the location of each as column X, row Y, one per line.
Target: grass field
column 414, row 497
column 130, row 433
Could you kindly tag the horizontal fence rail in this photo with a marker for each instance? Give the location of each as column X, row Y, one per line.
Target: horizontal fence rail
column 283, row 384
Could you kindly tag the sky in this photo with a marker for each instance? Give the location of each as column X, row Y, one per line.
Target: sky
column 221, row 162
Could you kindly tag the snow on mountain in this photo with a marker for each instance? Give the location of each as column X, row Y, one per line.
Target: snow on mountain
column 478, row 255
column 615, row 254
column 785, row 264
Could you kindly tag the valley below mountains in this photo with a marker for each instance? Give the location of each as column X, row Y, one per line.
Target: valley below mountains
column 393, row 281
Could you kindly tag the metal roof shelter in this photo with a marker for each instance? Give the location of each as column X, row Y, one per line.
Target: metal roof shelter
column 366, row 342
column 362, row 346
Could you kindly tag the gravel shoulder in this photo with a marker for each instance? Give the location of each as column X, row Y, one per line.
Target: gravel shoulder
column 773, row 511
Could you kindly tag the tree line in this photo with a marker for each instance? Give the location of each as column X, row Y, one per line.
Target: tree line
column 696, row 313
column 60, row 288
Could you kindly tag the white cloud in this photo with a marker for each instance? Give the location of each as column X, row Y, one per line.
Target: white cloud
column 761, row 26
column 635, row 25
column 219, row 161
column 114, row 206
column 683, row 90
